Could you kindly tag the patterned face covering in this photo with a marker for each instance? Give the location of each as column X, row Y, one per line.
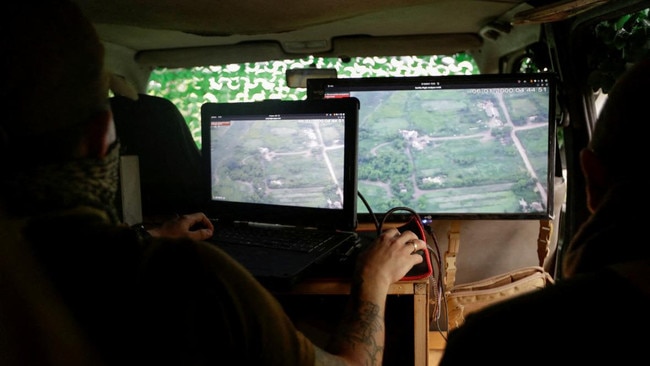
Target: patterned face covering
column 63, row 186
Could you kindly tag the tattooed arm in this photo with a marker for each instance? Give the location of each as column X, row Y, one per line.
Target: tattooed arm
column 361, row 335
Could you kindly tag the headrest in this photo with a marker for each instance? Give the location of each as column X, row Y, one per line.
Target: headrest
column 122, row 87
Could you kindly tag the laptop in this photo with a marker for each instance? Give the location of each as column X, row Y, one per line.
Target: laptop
column 281, row 166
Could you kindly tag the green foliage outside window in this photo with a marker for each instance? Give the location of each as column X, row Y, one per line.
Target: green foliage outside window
column 188, row 89
column 616, row 44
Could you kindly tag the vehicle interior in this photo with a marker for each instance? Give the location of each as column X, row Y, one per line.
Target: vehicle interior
column 168, row 57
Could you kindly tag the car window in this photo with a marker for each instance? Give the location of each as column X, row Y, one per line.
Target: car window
column 190, row 88
column 619, row 42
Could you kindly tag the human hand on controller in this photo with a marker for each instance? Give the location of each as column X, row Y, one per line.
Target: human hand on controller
column 195, row 226
column 389, row 257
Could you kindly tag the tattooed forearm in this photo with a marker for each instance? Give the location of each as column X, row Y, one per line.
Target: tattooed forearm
column 361, row 336
column 362, row 329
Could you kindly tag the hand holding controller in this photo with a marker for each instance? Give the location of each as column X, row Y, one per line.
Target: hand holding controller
column 424, row 268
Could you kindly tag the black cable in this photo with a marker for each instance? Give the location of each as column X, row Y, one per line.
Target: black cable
column 394, row 209
column 439, row 291
column 372, row 214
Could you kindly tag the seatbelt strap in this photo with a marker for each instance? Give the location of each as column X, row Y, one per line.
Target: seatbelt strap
column 543, row 240
column 450, row 255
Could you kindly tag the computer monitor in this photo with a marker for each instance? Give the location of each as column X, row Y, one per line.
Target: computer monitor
column 453, row 147
column 281, row 162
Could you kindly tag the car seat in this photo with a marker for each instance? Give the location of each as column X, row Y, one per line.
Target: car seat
column 153, row 128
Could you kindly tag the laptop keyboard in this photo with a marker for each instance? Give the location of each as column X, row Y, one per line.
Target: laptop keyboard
column 286, row 238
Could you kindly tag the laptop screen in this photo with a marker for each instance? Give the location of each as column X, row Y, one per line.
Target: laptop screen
column 456, row 146
column 281, row 162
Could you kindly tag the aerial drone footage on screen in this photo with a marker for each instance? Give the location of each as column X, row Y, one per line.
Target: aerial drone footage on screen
column 453, row 146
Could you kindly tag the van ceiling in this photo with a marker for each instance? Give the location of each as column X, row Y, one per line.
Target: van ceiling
column 226, row 31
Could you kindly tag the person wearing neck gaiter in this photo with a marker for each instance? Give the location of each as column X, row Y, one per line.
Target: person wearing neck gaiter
column 129, row 298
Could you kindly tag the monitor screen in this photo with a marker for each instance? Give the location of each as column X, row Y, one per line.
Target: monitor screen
column 457, row 146
column 282, row 162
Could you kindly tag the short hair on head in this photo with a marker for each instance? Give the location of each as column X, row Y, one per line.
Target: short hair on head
column 55, row 78
column 617, row 139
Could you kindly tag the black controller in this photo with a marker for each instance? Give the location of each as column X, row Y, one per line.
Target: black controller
column 424, row 267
